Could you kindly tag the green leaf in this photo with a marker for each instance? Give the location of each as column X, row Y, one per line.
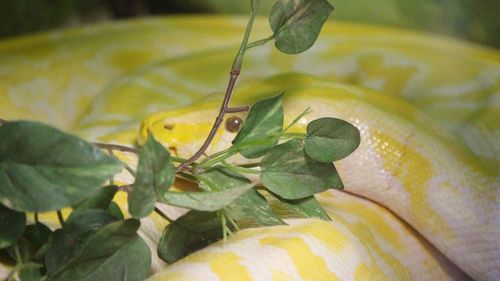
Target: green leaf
column 262, row 126
column 205, row 200
column 67, row 242
column 99, row 200
column 296, row 23
column 115, row 252
column 289, row 173
column 12, row 225
column 115, row 211
column 307, row 207
column 189, row 233
column 249, row 206
column 30, row 272
column 330, row 139
column 43, row 169
column 155, row 175
column 32, row 242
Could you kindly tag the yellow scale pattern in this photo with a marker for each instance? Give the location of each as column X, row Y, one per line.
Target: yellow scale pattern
column 434, row 191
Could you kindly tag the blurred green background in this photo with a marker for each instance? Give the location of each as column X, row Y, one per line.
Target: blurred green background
column 473, row 20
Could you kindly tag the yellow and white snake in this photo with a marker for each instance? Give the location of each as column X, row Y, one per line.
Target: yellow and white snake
column 422, row 198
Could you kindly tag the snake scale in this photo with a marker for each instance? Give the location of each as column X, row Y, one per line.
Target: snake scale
column 422, row 189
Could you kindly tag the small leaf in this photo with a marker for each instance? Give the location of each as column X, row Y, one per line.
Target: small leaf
column 99, row 200
column 249, row 206
column 30, row 272
column 34, row 238
column 115, row 211
column 12, row 225
column 189, row 233
column 307, row 207
column 260, row 130
column 114, row 253
column 296, row 23
column 330, row 139
column 67, row 242
column 43, row 169
column 155, row 175
column 289, row 173
column 205, row 200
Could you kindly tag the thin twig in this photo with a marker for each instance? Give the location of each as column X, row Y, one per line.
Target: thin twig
column 227, row 97
column 60, row 217
column 233, row 75
column 161, row 214
column 237, row 109
column 126, row 188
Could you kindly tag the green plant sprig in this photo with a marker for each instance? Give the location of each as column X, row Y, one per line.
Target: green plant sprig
column 40, row 171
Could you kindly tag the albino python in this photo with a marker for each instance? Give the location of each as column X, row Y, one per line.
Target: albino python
column 422, row 198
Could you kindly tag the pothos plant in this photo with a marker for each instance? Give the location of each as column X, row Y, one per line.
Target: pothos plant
column 43, row 169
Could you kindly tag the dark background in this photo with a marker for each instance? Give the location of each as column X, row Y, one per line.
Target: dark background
column 473, row 20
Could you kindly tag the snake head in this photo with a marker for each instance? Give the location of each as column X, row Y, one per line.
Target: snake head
column 184, row 130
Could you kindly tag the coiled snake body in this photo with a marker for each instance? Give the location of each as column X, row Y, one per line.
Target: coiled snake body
column 423, row 194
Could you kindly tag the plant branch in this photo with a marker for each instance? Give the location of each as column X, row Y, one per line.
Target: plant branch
column 233, row 75
column 260, row 42
column 237, row 109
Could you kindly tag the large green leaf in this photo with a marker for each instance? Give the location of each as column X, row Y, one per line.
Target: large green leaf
column 67, row 242
column 12, row 225
column 42, row 168
column 249, row 206
column 189, row 233
column 296, row 23
column 155, row 175
column 288, row 172
column 330, row 139
column 260, row 130
column 205, row 200
column 114, row 253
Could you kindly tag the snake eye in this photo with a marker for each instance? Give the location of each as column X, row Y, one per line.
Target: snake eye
column 233, row 124
column 169, row 127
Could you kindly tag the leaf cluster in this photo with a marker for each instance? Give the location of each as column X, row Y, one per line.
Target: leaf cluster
column 292, row 171
column 43, row 169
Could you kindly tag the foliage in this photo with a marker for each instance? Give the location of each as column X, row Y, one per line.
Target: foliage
column 44, row 169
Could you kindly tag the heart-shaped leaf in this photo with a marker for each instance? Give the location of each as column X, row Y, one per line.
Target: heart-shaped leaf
column 288, row 172
column 296, row 23
column 43, row 169
column 330, row 139
column 261, row 128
